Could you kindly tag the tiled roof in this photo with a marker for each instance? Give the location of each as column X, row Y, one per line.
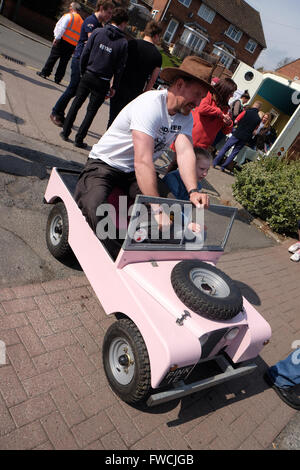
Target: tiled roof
column 242, row 15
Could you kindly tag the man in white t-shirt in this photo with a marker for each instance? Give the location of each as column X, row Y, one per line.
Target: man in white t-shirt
column 125, row 154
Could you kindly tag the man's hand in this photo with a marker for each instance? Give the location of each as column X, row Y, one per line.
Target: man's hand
column 111, row 93
column 200, row 199
column 55, row 42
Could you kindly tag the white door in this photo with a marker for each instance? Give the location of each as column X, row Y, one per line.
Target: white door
column 170, row 31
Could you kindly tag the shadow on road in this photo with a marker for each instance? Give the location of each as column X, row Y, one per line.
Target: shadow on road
column 234, row 393
column 37, row 164
column 28, row 79
column 11, row 117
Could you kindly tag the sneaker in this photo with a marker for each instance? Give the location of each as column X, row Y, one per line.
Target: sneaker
column 290, row 395
column 294, row 247
column 56, row 120
column 295, row 256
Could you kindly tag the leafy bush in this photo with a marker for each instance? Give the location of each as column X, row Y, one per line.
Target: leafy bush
column 270, row 189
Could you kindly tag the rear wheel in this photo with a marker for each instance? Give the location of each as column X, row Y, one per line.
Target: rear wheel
column 126, row 361
column 206, row 290
column 57, row 232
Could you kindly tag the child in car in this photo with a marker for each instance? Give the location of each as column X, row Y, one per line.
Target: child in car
column 174, row 181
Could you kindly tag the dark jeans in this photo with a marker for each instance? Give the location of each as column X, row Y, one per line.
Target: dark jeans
column 70, row 92
column 63, row 51
column 97, row 88
column 232, row 141
column 96, row 182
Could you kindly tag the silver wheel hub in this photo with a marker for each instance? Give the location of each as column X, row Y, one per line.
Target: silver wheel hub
column 56, row 229
column 209, row 282
column 121, row 361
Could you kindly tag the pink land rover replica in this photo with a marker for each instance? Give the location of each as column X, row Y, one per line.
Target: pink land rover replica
column 181, row 325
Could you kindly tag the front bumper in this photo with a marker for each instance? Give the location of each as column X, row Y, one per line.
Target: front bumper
column 181, row 389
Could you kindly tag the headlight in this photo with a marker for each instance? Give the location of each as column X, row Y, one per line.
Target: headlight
column 203, row 339
column 231, row 334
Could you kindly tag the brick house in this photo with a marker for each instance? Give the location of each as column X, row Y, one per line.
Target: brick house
column 230, row 30
column 290, row 70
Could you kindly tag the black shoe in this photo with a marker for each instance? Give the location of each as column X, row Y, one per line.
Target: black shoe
column 290, row 395
column 57, row 81
column 64, row 137
column 81, row 145
column 222, row 169
column 40, row 74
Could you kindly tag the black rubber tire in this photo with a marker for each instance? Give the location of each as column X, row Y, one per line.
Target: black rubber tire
column 200, row 300
column 62, row 249
column 140, row 384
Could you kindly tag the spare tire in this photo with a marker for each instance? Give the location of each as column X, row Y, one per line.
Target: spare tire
column 206, row 290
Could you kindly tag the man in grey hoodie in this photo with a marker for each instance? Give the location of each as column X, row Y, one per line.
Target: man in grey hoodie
column 103, row 57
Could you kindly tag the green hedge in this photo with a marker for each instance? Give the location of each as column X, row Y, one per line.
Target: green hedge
column 270, row 189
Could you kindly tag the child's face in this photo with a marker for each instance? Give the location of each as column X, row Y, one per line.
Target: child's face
column 202, row 167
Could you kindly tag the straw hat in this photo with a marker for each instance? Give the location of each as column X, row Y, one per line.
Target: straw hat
column 191, row 67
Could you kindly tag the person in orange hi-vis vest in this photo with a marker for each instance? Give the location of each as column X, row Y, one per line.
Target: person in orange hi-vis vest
column 66, row 36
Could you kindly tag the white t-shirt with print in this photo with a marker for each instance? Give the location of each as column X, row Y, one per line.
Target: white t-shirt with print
column 147, row 113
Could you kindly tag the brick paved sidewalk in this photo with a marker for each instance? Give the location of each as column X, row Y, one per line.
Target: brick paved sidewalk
column 54, row 394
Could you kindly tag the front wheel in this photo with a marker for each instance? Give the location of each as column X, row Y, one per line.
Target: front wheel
column 126, row 361
column 57, row 232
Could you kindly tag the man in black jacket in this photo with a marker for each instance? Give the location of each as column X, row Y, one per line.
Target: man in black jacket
column 248, row 121
column 103, row 57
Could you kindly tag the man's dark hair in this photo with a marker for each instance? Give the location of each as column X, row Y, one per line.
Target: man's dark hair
column 152, row 28
column 105, row 4
column 246, row 95
column 119, row 15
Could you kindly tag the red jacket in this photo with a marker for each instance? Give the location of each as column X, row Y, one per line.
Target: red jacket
column 208, row 121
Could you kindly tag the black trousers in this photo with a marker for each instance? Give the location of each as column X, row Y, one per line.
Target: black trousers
column 118, row 102
column 97, row 88
column 63, row 51
column 96, row 182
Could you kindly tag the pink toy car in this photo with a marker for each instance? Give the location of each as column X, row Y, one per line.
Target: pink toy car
column 177, row 315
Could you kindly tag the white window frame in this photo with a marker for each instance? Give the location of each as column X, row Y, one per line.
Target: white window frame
column 234, row 33
column 206, row 13
column 186, row 3
column 190, row 33
column 226, row 57
column 251, row 46
column 174, row 31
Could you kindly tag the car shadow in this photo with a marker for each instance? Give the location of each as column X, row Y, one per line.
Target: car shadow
column 248, row 293
column 234, row 393
column 32, row 162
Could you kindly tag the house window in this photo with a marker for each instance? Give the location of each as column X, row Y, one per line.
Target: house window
column 186, row 3
column 206, row 13
column 225, row 59
column 194, row 41
column 234, row 33
column 170, row 31
column 251, row 46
